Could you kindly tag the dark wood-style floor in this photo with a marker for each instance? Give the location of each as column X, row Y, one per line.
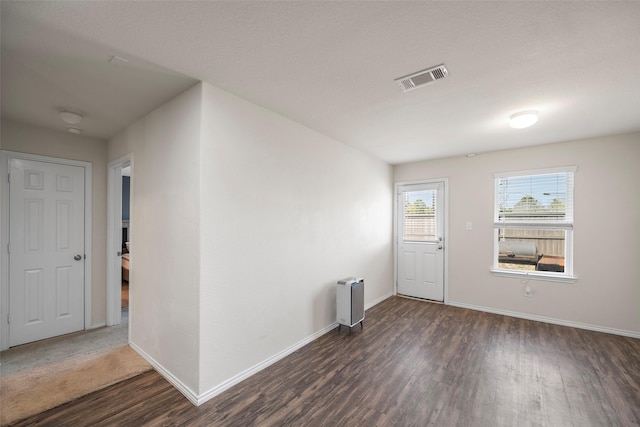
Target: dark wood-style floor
column 414, row 364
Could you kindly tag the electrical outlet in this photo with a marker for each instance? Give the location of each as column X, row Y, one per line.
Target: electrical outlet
column 468, row 226
column 528, row 291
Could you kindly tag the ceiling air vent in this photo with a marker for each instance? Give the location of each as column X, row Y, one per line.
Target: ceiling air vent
column 422, row 78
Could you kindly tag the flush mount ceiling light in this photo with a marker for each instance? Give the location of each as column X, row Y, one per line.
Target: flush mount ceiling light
column 70, row 117
column 523, row 119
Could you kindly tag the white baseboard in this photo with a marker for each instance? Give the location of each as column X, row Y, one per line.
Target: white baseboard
column 276, row 357
column 544, row 319
column 378, row 301
column 211, row 393
column 186, row 391
column 198, row 400
column 262, row 365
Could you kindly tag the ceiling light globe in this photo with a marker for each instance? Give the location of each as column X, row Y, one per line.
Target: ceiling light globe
column 70, row 117
column 523, row 119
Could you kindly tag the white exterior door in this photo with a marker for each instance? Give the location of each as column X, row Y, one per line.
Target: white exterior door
column 421, row 240
column 46, row 250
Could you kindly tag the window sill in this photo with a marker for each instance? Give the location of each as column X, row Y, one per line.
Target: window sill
column 528, row 275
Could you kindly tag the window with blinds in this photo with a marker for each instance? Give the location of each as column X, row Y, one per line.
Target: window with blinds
column 420, row 222
column 533, row 222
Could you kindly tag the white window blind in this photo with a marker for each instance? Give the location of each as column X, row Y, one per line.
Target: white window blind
column 541, row 198
column 420, row 215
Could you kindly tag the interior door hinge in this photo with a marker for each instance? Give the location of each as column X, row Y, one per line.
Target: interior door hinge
column 9, row 178
column 9, row 248
column 9, row 318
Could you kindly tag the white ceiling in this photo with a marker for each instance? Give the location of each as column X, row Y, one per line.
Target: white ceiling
column 332, row 65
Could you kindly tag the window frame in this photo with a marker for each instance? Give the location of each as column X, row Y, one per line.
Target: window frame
column 568, row 276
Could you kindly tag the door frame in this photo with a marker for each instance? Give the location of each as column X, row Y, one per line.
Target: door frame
column 396, row 222
column 5, row 157
column 114, row 236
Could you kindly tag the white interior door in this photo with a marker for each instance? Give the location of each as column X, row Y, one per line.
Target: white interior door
column 46, row 250
column 421, row 241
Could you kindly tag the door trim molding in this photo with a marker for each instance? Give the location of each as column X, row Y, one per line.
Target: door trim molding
column 114, row 233
column 396, row 192
column 5, row 157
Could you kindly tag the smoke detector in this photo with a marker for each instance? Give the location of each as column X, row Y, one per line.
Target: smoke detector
column 422, row 78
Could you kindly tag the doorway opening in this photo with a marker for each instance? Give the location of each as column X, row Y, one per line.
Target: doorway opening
column 125, row 242
column 119, row 257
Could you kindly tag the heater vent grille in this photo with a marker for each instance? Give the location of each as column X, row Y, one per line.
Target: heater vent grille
column 422, row 78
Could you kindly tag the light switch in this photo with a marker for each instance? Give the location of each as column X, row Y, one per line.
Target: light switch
column 468, row 226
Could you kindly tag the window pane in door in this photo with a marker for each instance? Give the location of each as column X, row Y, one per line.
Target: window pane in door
column 420, row 216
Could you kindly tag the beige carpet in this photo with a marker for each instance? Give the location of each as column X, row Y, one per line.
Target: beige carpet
column 42, row 375
column 30, row 392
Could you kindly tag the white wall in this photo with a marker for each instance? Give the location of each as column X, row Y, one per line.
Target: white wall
column 242, row 222
column 164, row 277
column 33, row 140
column 285, row 213
column 606, row 236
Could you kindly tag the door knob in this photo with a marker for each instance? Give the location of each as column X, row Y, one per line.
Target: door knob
column 77, row 257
